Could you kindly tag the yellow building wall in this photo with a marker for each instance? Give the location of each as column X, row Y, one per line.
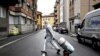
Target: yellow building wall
column 43, row 22
column 50, row 19
column 39, row 21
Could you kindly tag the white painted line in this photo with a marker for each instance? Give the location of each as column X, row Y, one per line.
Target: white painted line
column 10, row 43
column 13, row 41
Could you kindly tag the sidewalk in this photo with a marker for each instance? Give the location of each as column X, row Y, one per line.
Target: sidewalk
column 5, row 40
column 2, row 37
column 72, row 34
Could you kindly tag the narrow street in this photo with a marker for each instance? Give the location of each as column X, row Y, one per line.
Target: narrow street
column 23, row 24
column 32, row 44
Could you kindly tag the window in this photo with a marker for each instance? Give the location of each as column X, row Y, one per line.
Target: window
column 28, row 21
column 16, row 20
column 11, row 20
column 94, row 22
column 25, row 20
column 2, row 12
column 83, row 23
column 31, row 22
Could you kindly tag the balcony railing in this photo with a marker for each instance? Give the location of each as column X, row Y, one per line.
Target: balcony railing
column 8, row 2
column 55, row 10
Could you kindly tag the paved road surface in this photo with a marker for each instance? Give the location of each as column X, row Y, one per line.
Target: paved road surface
column 32, row 44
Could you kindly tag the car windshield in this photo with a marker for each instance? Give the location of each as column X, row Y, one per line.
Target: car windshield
column 94, row 22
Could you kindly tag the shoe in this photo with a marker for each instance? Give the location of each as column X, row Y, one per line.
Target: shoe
column 58, row 51
column 53, row 39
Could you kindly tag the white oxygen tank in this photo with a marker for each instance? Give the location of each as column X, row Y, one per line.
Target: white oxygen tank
column 66, row 45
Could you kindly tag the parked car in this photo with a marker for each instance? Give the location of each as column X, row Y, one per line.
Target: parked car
column 55, row 29
column 63, row 30
column 89, row 29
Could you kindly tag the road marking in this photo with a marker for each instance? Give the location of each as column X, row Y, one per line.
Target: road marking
column 13, row 41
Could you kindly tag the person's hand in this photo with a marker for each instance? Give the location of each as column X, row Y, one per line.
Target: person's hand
column 45, row 37
column 53, row 38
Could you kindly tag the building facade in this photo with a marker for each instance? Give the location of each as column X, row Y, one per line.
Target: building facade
column 57, row 12
column 39, row 20
column 61, row 11
column 62, row 7
column 50, row 18
column 19, row 15
column 4, row 15
column 66, row 13
column 78, row 9
column 34, row 11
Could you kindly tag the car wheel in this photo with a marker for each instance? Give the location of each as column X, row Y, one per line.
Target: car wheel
column 61, row 32
column 83, row 40
column 98, row 44
column 79, row 39
column 67, row 32
column 94, row 44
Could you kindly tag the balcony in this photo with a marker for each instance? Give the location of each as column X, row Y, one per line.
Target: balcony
column 8, row 2
column 55, row 10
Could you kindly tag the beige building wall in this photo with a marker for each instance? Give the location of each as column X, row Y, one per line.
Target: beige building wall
column 84, row 4
column 79, row 8
column 61, row 11
column 96, row 1
column 51, row 20
column 87, row 6
column 57, row 12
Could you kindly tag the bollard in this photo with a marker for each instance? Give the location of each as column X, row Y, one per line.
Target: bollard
column 65, row 53
column 44, row 53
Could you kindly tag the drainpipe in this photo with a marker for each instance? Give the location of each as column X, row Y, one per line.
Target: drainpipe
column 89, row 5
column 7, row 16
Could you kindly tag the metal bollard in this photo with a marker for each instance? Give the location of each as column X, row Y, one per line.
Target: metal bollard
column 44, row 53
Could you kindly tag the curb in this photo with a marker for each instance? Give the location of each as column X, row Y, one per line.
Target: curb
column 3, row 38
column 72, row 35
